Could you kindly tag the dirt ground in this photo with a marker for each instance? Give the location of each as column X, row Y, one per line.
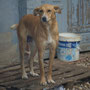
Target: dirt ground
column 84, row 85
column 85, row 62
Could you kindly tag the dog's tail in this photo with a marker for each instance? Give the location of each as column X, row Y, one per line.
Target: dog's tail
column 14, row 27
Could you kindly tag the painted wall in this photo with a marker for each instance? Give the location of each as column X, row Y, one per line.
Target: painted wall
column 75, row 17
column 79, row 20
column 31, row 4
column 8, row 39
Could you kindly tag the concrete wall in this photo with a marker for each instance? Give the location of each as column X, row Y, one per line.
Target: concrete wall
column 8, row 39
column 32, row 4
column 13, row 10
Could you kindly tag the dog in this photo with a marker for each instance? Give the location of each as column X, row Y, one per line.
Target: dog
column 42, row 27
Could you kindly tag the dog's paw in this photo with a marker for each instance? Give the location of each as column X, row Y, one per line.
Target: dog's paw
column 51, row 81
column 34, row 74
column 24, row 76
column 43, row 82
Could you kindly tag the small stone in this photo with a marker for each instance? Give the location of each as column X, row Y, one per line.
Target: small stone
column 85, row 86
column 88, row 83
column 2, row 88
column 80, row 88
column 67, row 88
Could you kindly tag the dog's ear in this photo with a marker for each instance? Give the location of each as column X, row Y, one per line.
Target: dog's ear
column 36, row 11
column 57, row 9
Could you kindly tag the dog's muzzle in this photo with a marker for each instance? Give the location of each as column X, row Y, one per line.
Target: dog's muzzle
column 44, row 19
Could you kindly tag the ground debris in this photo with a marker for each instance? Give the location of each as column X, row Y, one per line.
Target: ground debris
column 68, row 76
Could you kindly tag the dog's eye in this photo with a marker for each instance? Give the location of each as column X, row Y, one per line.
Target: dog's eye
column 48, row 10
column 41, row 11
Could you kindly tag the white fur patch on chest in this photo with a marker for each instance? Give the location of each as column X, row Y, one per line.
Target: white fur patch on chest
column 50, row 39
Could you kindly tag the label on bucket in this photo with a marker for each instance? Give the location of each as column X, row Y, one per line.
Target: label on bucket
column 68, row 51
column 68, row 44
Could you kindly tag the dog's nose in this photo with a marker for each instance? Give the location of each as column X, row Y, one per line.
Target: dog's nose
column 44, row 19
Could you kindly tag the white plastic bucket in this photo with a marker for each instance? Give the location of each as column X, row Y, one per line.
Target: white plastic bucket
column 68, row 47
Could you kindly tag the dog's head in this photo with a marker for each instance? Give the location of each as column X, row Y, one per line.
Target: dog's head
column 47, row 12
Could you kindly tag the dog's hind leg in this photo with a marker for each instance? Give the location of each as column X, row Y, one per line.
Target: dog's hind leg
column 32, row 55
column 22, row 44
column 22, row 47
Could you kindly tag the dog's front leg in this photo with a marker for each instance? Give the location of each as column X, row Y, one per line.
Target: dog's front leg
column 52, row 54
column 41, row 64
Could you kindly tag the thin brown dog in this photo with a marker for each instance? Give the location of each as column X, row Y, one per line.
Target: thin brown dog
column 43, row 28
